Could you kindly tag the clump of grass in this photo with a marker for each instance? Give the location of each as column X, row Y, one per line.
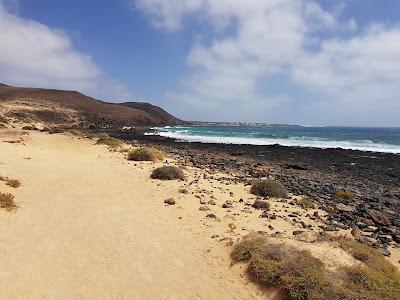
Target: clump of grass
column 105, row 139
column 11, row 182
column 244, row 250
column 297, row 272
column 145, row 154
column 260, row 204
column 168, row 173
column 75, row 132
column 306, row 203
column 268, row 188
column 361, row 252
column 7, row 202
column 344, row 195
column 303, row 276
column 360, row 282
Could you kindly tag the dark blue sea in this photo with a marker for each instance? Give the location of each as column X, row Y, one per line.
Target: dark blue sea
column 367, row 139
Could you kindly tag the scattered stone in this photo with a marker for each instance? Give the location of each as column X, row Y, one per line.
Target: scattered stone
column 203, row 201
column 345, row 208
column 169, row 201
column 211, row 216
column 378, row 217
column 384, row 251
column 297, row 232
column 212, row 202
column 204, row 208
column 183, row 191
column 296, row 167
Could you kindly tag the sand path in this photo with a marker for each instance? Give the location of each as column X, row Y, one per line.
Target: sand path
column 93, row 226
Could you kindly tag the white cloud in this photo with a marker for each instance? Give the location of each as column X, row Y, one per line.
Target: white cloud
column 32, row 54
column 306, row 45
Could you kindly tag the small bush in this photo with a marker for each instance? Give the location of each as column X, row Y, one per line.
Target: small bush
column 297, row 272
column 105, row 139
column 344, row 195
column 268, row 188
column 261, row 204
column 360, row 282
column 306, row 203
column 362, row 252
column 11, row 182
column 7, row 202
column 77, row 133
column 168, row 173
column 145, row 154
column 244, row 250
column 303, row 276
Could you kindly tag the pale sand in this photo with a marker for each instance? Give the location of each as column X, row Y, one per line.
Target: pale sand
column 92, row 225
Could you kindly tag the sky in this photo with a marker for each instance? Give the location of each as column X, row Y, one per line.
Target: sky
column 309, row 62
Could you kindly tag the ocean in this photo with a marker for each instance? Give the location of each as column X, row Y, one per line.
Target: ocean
column 358, row 138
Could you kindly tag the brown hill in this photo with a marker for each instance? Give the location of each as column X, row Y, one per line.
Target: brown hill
column 70, row 107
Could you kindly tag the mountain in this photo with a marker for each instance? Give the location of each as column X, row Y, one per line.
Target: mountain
column 153, row 110
column 71, row 107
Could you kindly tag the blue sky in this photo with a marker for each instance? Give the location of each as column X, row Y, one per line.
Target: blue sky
column 287, row 61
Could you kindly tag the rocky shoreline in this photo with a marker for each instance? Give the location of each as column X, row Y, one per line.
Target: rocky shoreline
column 373, row 179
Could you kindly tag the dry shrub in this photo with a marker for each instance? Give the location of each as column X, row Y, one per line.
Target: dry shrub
column 244, row 250
column 344, row 195
column 145, row 154
column 361, row 252
column 168, row 173
column 7, row 202
column 105, row 139
column 306, row 203
column 11, row 182
column 261, row 204
column 268, row 188
column 296, row 272
column 303, row 276
column 77, row 133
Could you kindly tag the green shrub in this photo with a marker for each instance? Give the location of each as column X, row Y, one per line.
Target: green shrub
column 168, row 173
column 268, row 188
column 145, row 154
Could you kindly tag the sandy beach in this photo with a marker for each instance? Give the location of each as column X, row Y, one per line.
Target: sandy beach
column 92, row 225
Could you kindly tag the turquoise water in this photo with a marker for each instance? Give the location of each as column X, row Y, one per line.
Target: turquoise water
column 368, row 139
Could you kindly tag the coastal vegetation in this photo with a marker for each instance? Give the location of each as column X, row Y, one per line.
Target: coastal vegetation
column 300, row 275
column 11, row 182
column 7, row 202
column 168, row 173
column 344, row 195
column 105, row 139
column 145, row 154
column 268, row 188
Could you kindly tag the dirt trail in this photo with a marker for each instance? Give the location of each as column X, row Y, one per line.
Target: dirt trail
column 93, row 226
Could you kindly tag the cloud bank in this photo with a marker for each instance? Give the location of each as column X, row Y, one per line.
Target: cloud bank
column 283, row 60
column 32, row 54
